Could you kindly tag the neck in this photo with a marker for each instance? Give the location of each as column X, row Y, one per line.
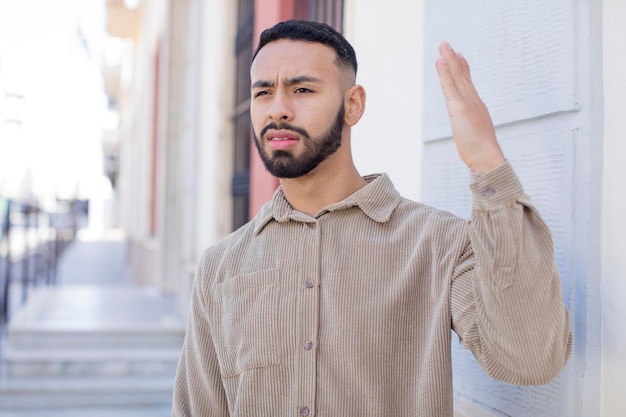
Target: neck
column 321, row 187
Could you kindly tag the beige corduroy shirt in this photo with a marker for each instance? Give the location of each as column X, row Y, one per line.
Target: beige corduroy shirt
column 348, row 313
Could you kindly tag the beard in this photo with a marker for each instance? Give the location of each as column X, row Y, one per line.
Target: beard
column 284, row 164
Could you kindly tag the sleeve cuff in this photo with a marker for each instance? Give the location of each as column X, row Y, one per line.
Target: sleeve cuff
column 496, row 187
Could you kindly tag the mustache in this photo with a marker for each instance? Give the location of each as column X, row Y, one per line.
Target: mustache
column 284, row 126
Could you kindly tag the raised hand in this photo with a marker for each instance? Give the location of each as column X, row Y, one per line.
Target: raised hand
column 472, row 128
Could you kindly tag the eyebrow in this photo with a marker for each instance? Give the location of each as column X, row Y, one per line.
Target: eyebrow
column 289, row 82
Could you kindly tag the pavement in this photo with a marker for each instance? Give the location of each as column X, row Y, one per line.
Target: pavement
column 93, row 280
column 96, row 257
column 93, row 258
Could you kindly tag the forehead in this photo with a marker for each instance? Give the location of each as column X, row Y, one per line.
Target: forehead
column 285, row 58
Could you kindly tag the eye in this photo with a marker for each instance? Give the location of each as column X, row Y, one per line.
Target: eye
column 260, row 93
column 303, row 90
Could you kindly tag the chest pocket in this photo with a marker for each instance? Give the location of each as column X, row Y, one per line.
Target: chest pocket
column 247, row 322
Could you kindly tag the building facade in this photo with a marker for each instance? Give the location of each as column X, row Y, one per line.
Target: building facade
column 550, row 72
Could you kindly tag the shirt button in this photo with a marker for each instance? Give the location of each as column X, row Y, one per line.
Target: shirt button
column 308, row 283
column 308, row 345
column 304, row 411
column 489, row 192
column 311, row 225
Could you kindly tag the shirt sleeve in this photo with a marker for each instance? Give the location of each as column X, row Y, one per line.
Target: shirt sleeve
column 198, row 388
column 506, row 298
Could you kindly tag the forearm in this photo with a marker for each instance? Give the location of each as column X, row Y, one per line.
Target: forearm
column 519, row 327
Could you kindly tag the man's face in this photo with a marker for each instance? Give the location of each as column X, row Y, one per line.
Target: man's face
column 297, row 106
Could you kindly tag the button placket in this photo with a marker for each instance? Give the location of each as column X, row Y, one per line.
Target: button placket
column 308, row 300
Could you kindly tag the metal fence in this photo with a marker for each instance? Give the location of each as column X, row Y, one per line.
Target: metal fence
column 31, row 241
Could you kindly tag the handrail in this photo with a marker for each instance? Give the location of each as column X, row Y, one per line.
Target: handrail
column 5, row 210
column 39, row 247
column 5, row 257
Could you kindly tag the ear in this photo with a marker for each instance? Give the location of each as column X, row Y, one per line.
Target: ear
column 354, row 104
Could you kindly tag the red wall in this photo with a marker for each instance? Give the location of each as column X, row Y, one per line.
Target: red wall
column 268, row 13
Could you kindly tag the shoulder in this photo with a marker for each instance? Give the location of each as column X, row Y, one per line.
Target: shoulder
column 434, row 233
column 422, row 215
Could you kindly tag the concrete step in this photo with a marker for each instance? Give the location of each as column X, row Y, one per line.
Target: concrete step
column 130, row 337
column 91, row 412
column 95, row 316
column 58, row 393
column 102, row 349
column 81, row 363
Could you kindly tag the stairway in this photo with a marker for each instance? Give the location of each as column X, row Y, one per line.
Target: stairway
column 90, row 351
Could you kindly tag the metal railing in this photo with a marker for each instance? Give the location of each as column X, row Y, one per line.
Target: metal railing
column 31, row 241
column 5, row 257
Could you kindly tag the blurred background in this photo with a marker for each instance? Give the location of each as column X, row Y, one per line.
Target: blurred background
column 59, row 151
column 125, row 151
column 78, row 337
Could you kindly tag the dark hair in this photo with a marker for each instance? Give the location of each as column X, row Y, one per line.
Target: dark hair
column 302, row 30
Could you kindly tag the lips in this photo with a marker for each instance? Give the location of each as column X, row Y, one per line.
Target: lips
column 281, row 139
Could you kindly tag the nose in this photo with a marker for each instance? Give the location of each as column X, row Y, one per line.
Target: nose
column 280, row 108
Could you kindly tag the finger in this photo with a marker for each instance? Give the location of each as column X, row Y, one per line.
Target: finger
column 448, row 86
column 452, row 60
column 464, row 83
column 464, row 66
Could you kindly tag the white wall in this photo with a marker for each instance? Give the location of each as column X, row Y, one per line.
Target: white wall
column 613, row 213
column 136, row 133
column 196, row 91
column 211, row 218
column 136, row 121
column 216, row 104
column 387, row 37
column 536, row 66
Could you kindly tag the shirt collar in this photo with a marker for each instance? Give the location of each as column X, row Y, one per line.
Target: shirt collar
column 378, row 199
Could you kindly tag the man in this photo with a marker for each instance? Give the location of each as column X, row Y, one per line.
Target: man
column 338, row 298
